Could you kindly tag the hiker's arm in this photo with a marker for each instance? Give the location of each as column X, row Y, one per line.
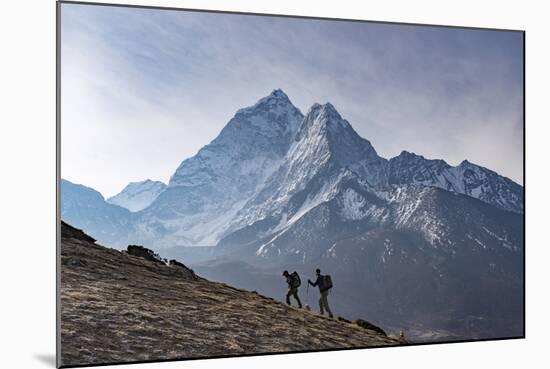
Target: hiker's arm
column 314, row 284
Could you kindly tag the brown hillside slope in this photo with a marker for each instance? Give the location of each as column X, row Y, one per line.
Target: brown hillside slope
column 118, row 307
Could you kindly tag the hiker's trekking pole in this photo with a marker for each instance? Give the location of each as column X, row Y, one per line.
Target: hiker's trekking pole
column 307, row 298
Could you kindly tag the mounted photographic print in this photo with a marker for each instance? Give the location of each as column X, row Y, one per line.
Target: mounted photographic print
column 238, row 184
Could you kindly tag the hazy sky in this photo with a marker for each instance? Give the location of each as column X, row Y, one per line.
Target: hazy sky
column 144, row 89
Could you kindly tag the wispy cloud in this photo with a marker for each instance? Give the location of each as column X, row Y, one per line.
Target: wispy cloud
column 144, row 89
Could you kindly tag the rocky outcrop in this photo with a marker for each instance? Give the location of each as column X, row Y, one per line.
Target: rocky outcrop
column 145, row 253
column 366, row 325
column 68, row 232
column 185, row 270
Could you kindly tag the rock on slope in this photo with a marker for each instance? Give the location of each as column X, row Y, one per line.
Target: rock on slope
column 118, row 307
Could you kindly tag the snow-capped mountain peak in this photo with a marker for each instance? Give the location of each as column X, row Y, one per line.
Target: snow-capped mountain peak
column 207, row 190
column 326, row 152
column 263, row 130
column 270, row 165
column 323, row 125
column 326, row 110
column 276, row 94
column 276, row 105
column 320, row 119
column 137, row 196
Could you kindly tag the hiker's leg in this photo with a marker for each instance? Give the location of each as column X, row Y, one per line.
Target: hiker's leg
column 289, row 292
column 297, row 298
column 325, row 301
column 321, row 305
column 322, row 301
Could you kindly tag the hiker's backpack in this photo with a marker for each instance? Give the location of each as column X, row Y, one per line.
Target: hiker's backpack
column 295, row 280
column 326, row 283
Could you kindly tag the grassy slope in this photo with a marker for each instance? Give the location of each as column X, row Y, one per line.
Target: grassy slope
column 118, row 307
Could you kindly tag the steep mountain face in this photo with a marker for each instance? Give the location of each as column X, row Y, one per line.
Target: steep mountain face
column 326, row 151
column 117, row 307
column 137, row 196
column 207, row 190
column 345, row 147
column 86, row 208
column 466, row 178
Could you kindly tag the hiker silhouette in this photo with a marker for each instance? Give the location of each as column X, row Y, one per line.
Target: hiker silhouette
column 324, row 282
column 293, row 281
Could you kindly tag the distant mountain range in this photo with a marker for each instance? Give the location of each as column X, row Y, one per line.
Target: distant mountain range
column 279, row 188
column 137, row 196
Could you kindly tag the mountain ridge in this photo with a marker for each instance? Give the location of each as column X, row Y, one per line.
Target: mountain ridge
column 466, row 178
column 206, row 194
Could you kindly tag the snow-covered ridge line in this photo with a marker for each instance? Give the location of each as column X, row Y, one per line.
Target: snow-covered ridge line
column 466, row 178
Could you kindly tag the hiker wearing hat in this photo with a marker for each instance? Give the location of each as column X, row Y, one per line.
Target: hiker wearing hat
column 293, row 281
column 325, row 284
